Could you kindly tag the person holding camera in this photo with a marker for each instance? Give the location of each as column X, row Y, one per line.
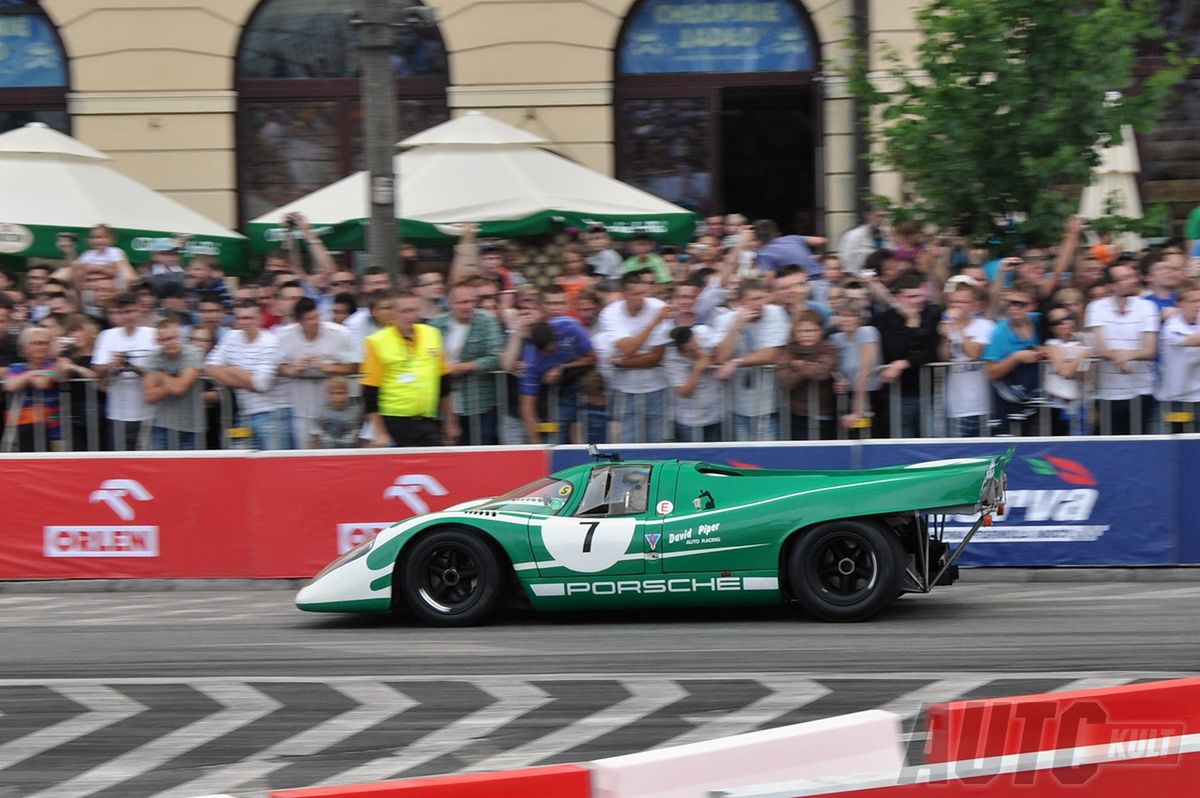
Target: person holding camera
column 121, row 355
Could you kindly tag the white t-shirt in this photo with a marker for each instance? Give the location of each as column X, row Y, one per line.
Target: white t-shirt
column 856, row 246
column 1124, row 331
column 360, row 325
column 605, row 263
column 754, row 389
column 109, row 256
column 261, row 358
column 967, row 391
column 615, row 324
column 125, row 400
column 1180, row 363
column 456, row 336
column 1061, row 389
column 308, row 394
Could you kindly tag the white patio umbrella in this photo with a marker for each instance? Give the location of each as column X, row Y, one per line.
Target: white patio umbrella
column 477, row 169
column 1116, row 179
column 55, row 184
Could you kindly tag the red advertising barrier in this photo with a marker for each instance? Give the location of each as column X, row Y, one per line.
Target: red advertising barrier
column 73, row 517
column 559, row 781
column 228, row 515
column 321, row 505
column 965, row 730
column 1174, row 776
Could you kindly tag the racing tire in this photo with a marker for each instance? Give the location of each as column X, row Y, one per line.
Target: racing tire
column 452, row 577
column 846, row 570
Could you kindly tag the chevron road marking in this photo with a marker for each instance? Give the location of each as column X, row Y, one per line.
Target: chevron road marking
column 243, row 704
column 104, row 705
column 378, row 703
column 909, row 704
column 645, row 697
column 787, row 694
column 515, row 698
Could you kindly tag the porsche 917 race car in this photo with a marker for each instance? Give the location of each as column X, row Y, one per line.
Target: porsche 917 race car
column 674, row 533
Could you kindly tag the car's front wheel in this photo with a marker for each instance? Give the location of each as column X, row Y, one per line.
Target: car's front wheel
column 846, row 570
column 451, row 577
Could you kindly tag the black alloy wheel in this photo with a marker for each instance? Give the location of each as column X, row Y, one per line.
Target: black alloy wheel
column 846, row 570
column 451, row 577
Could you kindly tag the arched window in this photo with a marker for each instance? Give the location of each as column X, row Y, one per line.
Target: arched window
column 717, row 108
column 33, row 68
column 299, row 110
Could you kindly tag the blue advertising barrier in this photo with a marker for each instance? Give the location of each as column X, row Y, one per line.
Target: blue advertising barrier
column 1071, row 501
column 1187, row 481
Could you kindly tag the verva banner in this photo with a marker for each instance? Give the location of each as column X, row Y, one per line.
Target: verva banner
column 1071, row 501
column 227, row 516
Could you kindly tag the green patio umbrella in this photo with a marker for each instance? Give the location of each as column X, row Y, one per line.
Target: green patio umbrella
column 477, row 169
column 55, row 184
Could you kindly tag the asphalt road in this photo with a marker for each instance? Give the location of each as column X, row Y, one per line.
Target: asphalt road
column 187, row 694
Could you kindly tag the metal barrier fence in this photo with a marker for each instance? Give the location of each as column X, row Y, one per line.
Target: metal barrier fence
column 749, row 406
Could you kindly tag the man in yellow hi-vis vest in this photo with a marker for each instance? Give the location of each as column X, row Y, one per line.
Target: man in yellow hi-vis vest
column 403, row 385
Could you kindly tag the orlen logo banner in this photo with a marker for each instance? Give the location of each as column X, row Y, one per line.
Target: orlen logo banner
column 114, row 517
column 1074, row 502
column 119, row 538
column 336, row 501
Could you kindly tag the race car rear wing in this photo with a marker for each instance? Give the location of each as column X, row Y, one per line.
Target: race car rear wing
column 934, row 556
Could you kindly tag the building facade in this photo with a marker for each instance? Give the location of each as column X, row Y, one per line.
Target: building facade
column 234, row 107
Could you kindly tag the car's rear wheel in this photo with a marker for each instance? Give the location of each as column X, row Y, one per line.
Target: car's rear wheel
column 846, row 570
column 452, row 577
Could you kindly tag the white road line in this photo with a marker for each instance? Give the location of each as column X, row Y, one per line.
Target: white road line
column 378, row 702
column 909, row 704
column 514, row 698
column 243, row 704
column 787, row 694
column 104, row 705
column 625, row 678
column 646, row 697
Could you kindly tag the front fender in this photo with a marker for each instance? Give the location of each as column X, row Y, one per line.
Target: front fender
column 365, row 584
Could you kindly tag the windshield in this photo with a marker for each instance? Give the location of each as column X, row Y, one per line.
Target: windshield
column 547, row 496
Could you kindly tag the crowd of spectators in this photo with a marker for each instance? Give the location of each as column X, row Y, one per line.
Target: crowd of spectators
column 745, row 334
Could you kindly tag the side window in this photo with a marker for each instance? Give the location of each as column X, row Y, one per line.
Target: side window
column 616, row 490
column 595, row 501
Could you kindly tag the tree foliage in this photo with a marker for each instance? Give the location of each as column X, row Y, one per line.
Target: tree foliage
column 1006, row 103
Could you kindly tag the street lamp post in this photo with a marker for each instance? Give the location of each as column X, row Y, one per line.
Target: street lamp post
column 379, row 127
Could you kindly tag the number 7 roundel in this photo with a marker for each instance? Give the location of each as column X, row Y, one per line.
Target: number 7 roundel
column 589, row 545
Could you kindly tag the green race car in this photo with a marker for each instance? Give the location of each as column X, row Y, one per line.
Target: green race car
column 673, row 533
